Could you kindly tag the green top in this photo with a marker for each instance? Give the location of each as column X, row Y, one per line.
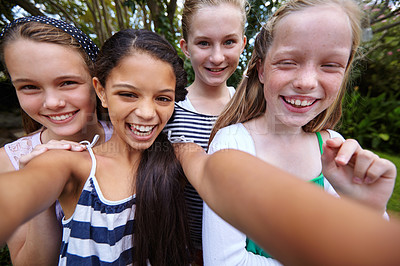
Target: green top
column 253, row 247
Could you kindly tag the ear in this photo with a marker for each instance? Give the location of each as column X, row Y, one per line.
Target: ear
column 244, row 43
column 100, row 91
column 260, row 71
column 184, row 47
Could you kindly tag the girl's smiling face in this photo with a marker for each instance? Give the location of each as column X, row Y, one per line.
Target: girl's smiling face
column 53, row 85
column 215, row 42
column 139, row 94
column 305, row 65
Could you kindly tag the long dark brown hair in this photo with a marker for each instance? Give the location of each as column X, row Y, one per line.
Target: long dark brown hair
column 161, row 233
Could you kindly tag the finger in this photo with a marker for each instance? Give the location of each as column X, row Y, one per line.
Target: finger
column 334, row 142
column 363, row 162
column 28, row 157
column 380, row 168
column 63, row 145
column 329, row 153
column 348, row 148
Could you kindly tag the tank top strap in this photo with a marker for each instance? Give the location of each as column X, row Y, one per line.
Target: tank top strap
column 90, row 150
column 320, row 141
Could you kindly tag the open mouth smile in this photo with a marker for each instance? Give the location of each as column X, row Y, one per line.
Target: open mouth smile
column 299, row 103
column 141, row 130
column 61, row 117
column 215, row 69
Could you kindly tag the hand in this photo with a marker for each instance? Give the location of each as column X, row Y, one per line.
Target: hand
column 51, row 145
column 358, row 173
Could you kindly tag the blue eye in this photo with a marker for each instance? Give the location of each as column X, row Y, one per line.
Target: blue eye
column 203, row 43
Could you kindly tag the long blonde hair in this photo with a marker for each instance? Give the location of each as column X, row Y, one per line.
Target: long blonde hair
column 249, row 102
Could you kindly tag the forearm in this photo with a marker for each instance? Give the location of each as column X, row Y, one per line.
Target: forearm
column 26, row 193
column 45, row 229
column 237, row 186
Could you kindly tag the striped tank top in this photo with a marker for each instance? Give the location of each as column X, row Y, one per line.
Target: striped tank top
column 197, row 128
column 100, row 231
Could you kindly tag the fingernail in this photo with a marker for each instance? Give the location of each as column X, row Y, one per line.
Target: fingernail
column 341, row 159
column 367, row 180
column 357, row 180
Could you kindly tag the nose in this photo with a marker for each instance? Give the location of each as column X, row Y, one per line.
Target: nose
column 306, row 78
column 145, row 109
column 53, row 100
column 217, row 55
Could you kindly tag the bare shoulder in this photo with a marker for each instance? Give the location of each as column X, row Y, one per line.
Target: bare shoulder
column 5, row 163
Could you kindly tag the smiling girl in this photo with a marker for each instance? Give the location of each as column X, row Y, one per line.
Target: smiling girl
column 213, row 39
column 50, row 64
column 123, row 200
column 285, row 109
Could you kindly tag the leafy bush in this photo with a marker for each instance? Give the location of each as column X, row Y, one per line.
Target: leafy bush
column 5, row 257
column 374, row 121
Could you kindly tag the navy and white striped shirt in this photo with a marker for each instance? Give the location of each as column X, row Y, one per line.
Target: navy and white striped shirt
column 100, row 232
column 197, row 128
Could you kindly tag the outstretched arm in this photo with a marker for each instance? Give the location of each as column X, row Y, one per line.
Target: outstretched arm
column 27, row 192
column 307, row 225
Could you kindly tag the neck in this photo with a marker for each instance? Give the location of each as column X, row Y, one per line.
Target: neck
column 197, row 89
column 269, row 124
column 119, row 149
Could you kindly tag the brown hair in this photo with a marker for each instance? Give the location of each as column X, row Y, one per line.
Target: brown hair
column 190, row 7
column 249, row 102
column 40, row 32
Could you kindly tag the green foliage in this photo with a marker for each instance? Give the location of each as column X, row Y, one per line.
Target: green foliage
column 5, row 257
column 372, row 120
column 394, row 201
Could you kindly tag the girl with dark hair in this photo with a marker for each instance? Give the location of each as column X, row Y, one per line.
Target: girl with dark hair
column 130, row 210
column 50, row 64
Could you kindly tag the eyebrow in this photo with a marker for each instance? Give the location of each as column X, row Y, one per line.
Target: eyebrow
column 58, row 78
column 232, row 35
column 128, row 86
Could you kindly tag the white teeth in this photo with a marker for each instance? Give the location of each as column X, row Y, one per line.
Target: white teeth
column 305, row 103
column 61, row 117
column 300, row 102
column 215, row 70
column 141, row 130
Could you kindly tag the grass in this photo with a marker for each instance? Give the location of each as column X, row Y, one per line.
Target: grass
column 393, row 205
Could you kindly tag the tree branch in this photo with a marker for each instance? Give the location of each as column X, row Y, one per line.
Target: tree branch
column 29, row 7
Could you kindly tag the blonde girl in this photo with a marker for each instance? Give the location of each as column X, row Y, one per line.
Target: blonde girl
column 285, row 109
column 213, row 39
